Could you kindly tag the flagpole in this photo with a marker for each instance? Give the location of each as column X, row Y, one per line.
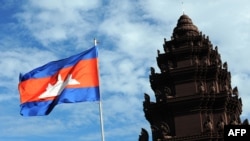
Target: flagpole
column 100, row 106
column 101, row 119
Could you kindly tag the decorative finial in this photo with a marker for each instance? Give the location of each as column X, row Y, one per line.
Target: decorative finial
column 182, row 5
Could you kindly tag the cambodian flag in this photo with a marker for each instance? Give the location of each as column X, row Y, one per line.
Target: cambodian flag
column 70, row 80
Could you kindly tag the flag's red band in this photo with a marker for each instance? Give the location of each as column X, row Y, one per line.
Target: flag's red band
column 85, row 72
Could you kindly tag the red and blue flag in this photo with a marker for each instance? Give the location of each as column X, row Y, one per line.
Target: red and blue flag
column 70, row 80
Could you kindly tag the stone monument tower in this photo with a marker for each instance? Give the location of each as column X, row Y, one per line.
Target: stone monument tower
column 193, row 92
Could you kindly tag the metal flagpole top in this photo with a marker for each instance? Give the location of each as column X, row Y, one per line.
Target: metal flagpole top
column 95, row 42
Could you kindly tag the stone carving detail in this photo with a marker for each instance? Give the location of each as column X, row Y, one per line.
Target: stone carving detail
column 212, row 88
column 206, row 62
column 167, row 91
column 227, row 89
column 245, row 122
column 156, row 133
column 216, row 49
column 208, row 124
column 162, row 131
column 144, row 135
column 152, row 69
column 167, row 47
column 147, row 98
column 165, row 129
column 202, row 87
column 163, row 68
column 220, row 124
column 196, row 61
column 159, row 96
column 225, row 65
column 235, row 91
column 233, row 120
column 146, row 102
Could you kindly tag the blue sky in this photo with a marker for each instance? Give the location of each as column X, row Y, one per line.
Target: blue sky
column 33, row 33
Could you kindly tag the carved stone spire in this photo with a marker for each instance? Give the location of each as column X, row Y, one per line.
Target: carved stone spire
column 185, row 27
column 192, row 89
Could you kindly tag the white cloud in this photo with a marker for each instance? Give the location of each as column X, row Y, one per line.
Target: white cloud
column 22, row 127
column 57, row 21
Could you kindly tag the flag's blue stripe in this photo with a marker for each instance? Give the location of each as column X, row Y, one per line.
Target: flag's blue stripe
column 74, row 95
column 41, row 108
column 37, row 108
column 51, row 68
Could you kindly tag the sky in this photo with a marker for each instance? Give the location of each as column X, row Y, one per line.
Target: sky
column 129, row 32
